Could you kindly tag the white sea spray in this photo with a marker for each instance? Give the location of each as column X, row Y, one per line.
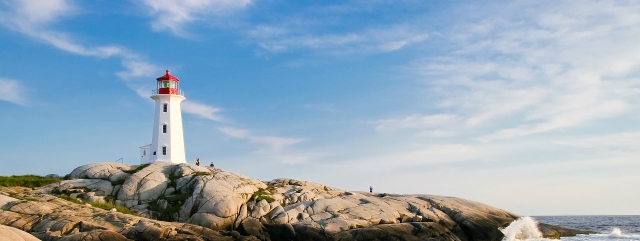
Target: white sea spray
column 524, row 228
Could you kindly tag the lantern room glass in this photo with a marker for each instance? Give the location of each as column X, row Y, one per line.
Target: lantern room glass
column 168, row 87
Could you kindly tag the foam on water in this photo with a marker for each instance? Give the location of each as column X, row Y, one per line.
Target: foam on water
column 616, row 234
column 524, row 228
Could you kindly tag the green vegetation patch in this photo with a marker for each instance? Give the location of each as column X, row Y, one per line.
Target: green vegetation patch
column 262, row 194
column 137, row 169
column 174, row 203
column 105, row 206
column 118, row 182
column 197, row 174
column 27, row 181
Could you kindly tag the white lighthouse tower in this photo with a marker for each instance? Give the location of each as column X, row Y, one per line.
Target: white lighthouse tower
column 167, row 142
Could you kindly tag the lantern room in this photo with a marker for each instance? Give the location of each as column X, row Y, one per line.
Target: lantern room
column 168, row 85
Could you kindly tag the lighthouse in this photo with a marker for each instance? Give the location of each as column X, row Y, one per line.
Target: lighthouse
column 167, row 142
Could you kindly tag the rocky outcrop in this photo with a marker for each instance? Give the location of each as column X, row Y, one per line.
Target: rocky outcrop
column 51, row 218
column 180, row 201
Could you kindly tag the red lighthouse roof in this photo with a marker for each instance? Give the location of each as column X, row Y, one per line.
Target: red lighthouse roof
column 167, row 76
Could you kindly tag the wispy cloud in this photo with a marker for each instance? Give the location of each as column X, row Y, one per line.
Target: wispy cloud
column 174, row 15
column 13, row 91
column 31, row 13
column 33, row 19
column 271, row 147
column 273, row 142
column 624, row 140
column 371, row 40
column 541, row 70
column 202, row 110
column 416, row 122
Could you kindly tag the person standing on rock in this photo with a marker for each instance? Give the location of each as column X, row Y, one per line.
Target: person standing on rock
column 370, row 189
column 211, row 164
column 197, row 161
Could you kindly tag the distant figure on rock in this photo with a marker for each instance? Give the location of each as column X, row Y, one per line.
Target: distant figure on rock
column 197, row 161
column 211, row 164
column 370, row 189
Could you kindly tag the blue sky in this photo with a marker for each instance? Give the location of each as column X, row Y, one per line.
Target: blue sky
column 528, row 106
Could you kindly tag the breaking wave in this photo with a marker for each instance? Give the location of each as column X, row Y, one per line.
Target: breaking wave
column 524, row 228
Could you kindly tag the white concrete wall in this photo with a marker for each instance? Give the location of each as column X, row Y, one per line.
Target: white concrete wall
column 174, row 138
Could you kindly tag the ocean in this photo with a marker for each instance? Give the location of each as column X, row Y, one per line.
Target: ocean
column 609, row 228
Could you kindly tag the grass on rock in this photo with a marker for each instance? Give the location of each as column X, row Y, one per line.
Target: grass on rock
column 137, row 169
column 27, row 181
column 197, row 174
column 105, row 206
column 262, row 194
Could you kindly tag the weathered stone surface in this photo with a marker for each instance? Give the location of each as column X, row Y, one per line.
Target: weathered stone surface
column 555, row 232
column 477, row 220
column 102, row 170
column 253, row 227
column 14, row 234
column 95, row 235
column 4, row 200
column 75, row 184
column 51, row 218
column 217, row 202
column 145, row 185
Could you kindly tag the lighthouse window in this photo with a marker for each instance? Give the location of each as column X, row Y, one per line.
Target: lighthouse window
column 164, row 128
column 164, row 150
column 164, row 108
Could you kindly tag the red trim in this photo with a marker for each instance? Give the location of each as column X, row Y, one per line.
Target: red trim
column 167, row 76
column 168, row 91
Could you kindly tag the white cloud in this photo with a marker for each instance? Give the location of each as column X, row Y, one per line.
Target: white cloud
column 32, row 18
column 371, row 40
column 625, row 139
column 173, row 15
column 12, row 91
column 202, row 110
column 542, row 70
column 32, row 13
column 437, row 133
column 271, row 147
column 443, row 153
column 566, row 119
column 136, row 68
column 274, row 143
column 416, row 122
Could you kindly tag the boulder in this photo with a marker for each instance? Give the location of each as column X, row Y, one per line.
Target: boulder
column 52, row 176
column 13, row 234
column 5, row 200
column 253, row 227
column 146, row 185
column 101, row 170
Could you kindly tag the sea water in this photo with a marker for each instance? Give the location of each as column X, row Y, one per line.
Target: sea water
column 609, row 228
